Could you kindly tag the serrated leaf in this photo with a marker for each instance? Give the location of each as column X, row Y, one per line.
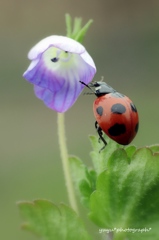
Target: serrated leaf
column 85, row 188
column 100, row 159
column 85, row 191
column 84, row 179
column 130, row 150
column 78, row 170
column 154, row 148
column 104, row 200
column 50, row 222
column 92, row 177
column 127, row 194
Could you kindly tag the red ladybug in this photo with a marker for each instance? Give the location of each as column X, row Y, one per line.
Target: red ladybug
column 115, row 114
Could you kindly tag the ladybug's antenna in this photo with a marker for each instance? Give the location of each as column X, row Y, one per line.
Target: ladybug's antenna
column 87, row 86
column 102, row 78
column 88, row 93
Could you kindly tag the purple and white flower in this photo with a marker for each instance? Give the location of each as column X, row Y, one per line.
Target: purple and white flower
column 58, row 64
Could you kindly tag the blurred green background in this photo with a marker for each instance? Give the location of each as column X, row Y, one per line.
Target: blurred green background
column 124, row 43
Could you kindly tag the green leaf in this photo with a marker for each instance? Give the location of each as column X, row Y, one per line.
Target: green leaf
column 85, row 191
column 81, row 34
column 68, row 20
column 127, row 194
column 76, row 27
column 50, row 222
column 155, row 148
column 84, row 179
column 100, row 159
column 78, row 33
column 78, row 170
column 130, row 150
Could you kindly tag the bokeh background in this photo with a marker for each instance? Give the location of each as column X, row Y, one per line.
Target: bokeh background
column 124, row 43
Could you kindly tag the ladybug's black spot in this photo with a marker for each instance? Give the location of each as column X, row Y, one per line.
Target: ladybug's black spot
column 118, row 108
column 99, row 110
column 54, row 59
column 136, row 127
column 117, row 129
column 133, row 107
column 117, row 95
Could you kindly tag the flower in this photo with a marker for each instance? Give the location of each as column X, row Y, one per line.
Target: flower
column 58, row 64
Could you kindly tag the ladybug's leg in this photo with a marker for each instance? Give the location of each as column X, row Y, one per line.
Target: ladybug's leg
column 100, row 133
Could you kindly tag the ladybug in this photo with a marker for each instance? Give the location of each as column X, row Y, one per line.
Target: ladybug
column 115, row 114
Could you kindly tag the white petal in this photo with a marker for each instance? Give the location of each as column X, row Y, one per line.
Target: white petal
column 87, row 58
column 61, row 42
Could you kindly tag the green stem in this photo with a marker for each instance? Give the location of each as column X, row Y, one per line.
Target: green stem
column 65, row 161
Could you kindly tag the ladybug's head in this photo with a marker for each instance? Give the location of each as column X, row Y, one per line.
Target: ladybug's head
column 101, row 88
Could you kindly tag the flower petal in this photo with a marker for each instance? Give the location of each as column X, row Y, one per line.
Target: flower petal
column 58, row 64
column 61, row 42
column 42, row 76
column 59, row 101
column 87, row 58
column 62, row 99
column 52, row 75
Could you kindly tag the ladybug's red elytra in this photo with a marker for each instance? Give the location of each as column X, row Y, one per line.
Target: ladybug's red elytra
column 116, row 115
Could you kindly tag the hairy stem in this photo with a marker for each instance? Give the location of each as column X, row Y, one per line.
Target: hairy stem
column 65, row 161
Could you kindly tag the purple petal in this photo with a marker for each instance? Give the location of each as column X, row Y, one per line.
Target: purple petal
column 62, row 99
column 58, row 64
column 40, row 75
column 52, row 76
column 59, row 101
